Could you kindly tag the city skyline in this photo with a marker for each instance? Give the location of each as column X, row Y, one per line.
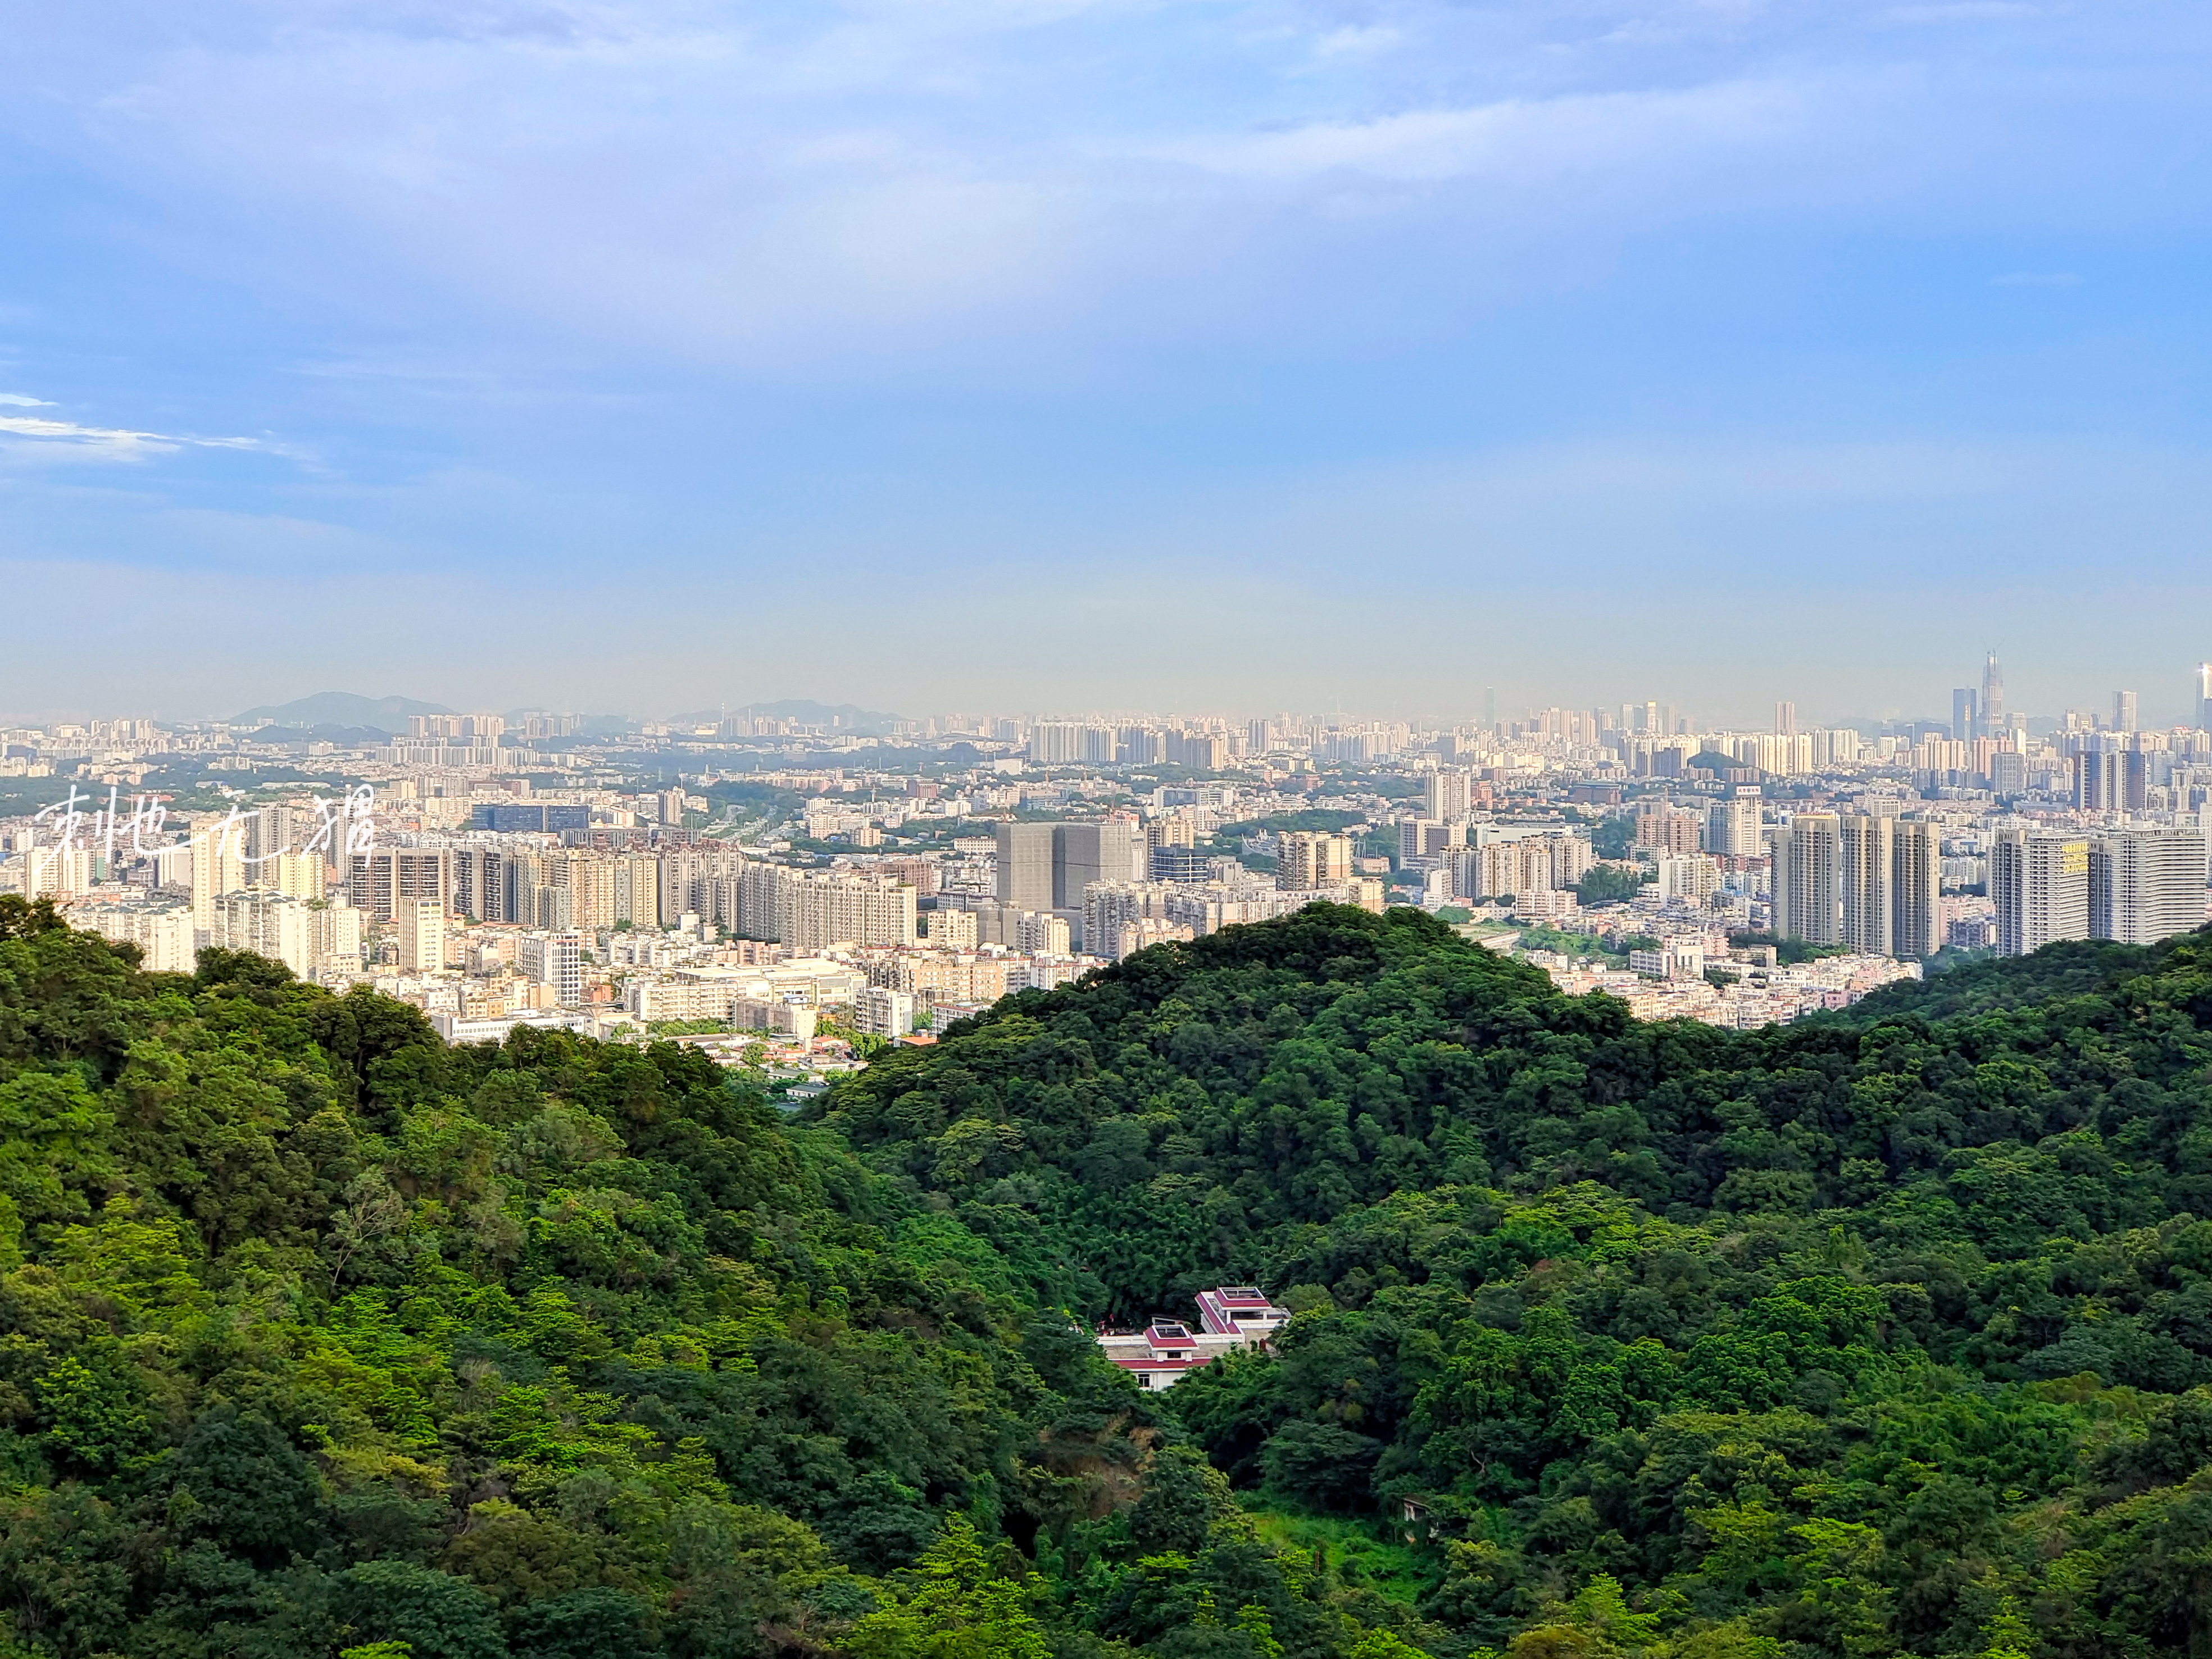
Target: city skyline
column 2183, row 705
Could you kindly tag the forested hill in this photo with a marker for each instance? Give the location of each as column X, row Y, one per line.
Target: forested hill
column 318, row 1336
column 1889, row 1334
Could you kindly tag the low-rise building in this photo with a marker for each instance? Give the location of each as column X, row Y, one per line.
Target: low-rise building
column 1230, row 1317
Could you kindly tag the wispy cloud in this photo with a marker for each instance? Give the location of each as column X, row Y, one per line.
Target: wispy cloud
column 20, row 402
column 107, row 442
column 1519, row 138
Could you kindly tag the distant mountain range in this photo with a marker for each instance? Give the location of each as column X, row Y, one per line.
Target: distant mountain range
column 345, row 708
column 345, row 736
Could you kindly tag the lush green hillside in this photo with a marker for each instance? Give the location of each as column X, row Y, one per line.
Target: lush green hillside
column 1886, row 1334
column 317, row 1334
column 1883, row 1336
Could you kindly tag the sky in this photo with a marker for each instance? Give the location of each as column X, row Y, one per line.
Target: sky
column 1064, row 356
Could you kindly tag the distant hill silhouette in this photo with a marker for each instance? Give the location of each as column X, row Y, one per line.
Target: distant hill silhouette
column 346, row 708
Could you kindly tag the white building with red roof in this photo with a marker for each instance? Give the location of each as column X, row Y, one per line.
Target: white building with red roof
column 1231, row 1316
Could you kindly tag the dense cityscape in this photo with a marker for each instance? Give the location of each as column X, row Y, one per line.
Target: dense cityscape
column 790, row 887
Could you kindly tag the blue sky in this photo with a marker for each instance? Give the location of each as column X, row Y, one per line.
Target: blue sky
column 1055, row 354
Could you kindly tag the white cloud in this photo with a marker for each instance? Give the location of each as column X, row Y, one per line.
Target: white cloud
column 19, row 401
column 1518, row 140
column 111, row 443
column 776, row 183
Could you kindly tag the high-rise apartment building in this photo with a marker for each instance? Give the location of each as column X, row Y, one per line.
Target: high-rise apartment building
column 1916, row 882
column 950, row 930
column 2110, row 781
column 420, row 925
column 301, row 935
column 1695, row 879
column 1448, row 796
column 880, row 1012
column 1520, row 865
column 2039, row 883
column 272, row 831
column 296, row 875
column 819, row 909
column 219, row 867
column 1785, row 719
column 1890, row 874
column 1867, row 871
column 480, row 884
column 1197, row 752
column 555, row 960
column 1138, row 745
column 1673, row 831
column 1806, row 879
column 2204, row 697
column 1171, row 832
column 1307, row 860
column 164, row 934
column 1041, row 933
column 2145, row 884
column 1420, row 838
column 1732, row 828
column 637, row 891
column 1062, row 743
column 380, row 879
column 2097, row 785
column 2124, row 711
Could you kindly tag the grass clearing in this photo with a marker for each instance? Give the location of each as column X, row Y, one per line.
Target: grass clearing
column 1355, row 1547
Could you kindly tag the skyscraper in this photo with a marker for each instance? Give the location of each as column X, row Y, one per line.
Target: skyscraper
column 2097, row 781
column 1449, row 796
column 1785, row 719
column 1869, row 847
column 2040, row 885
column 2145, row 884
column 2204, row 697
column 1807, row 896
column 2110, row 781
column 1965, row 724
column 1993, row 708
column 2124, row 711
column 1915, row 927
